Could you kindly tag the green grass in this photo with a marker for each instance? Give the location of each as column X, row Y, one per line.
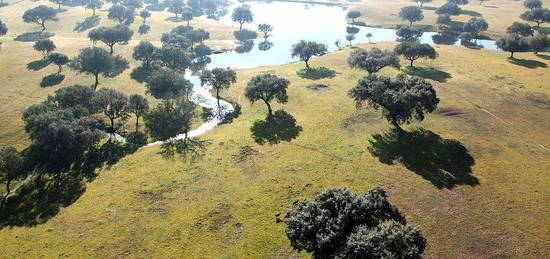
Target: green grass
column 224, row 205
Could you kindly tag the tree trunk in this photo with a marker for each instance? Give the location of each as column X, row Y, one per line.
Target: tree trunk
column 111, row 47
column 188, row 23
column 269, row 111
column 511, row 54
column 60, row 68
column 137, row 123
column 6, row 194
column 412, row 60
column 96, row 81
column 43, row 26
column 241, row 26
column 395, row 124
column 411, row 24
column 93, row 12
column 307, row 63
column 218, row 98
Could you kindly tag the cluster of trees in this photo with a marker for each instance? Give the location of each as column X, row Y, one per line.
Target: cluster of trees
column 521, row 37
column 351, row 31
column 342, row 224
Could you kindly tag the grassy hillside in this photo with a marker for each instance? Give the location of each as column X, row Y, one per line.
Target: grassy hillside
column 498, row 13
column 473, row 175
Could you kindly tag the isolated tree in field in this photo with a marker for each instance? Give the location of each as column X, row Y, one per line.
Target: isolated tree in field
column 368, row 35
column 97, row 61
column 537, row 15
column 415, row 50
column 532, row 4
column 372, row 60
column 411, row 14
column 449, row 9
column 121, row 14
column 401, row 100
column 350, row 37
column 475, row 26
column 305, row 50
column 170, row 118
column 94, row 5
column 176, row 7
column 174, row 57
column 406, row 33
column 117, row 34
column 513, row 43
column 242, row 14
column 59, row 60
column 352, row 30
column 265, row 29
column 458, row 2
column 144, row 14
column 168, row 84
column 539, row 42
column 342, row 224
column 113, row 104
column 519, row 28
column 138, row 105
column 11, row 169
column 267, row 87
column 59, row 3
column 187, row 15
column 353, row 15
column 45, row 46
column 145, row 52
column 3, row 28
column 422, row 2
column 40, row 15
column 218, row 79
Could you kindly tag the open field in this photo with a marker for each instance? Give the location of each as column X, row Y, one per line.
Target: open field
column 499, row 14
column 474, row 174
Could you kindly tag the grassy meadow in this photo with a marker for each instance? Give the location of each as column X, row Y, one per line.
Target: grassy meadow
column 473, row 174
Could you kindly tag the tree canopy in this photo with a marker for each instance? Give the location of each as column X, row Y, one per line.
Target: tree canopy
column 121, row 14
column 422, row 2
column 267, row 87
column 170, row 118
column 539, row 42
column 475, row 26
column 372, row 60
column 536, row 15
column 532, row 4
column 11, row 169
column 59, row 60
column 45, row 46
column 458, row 2
column 305, row 50
column 342, row 224
column 3, row 28
column 406, row 33
column 513, row 43
column 401, row 100
column 117, row 34
column 94, row 5
column 353, row 15
column 96, row 61
column 449, row 9
column 415, row 50
column 138, row 105
column 168, row 84
column 145, row 52
column 40, row 15
column 242, row 14
column 113, row 104
column 218, row 79
column 519, row 28
column 411, row 14
column 265, row 29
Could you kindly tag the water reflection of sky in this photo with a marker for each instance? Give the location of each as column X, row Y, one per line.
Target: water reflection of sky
column 293, row 22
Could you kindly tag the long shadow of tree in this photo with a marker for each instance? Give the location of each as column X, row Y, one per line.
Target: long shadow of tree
column 444, row 162
column 528, row 63
column 41, row 198
column 428, row 73
column 274, row 129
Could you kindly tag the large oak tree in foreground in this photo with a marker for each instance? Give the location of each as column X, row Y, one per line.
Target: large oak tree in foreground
column 401, row 100
column 267, row 87
column 341, row 224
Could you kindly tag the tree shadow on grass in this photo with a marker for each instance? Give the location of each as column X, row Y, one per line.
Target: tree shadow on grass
column 428, row 73
column 316, row 73
column 52, row 80
column 88, row 23
column 446, row 163
column 471, row 13
column 430, row 8
column 543, row 56
column 528, row 63
column 38, row 64
column 41, row 198
column 173, row 19
column 33, row 36
column 279, row 127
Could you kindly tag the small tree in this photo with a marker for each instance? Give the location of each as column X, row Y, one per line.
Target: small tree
column 11, row 169
column 401, row 100
column 242, row 14
column 58, row 59
column 537, row 15
column 218, row 79
column 519, row 28
column 265, row 29
column 176, row 7
column 532, row 4
column 144, row 14
column 3, row 28
column 341, row 224
column 267, row 87
column 350, row 37
column 145, row 52
column 187, row 15
column 415, row 50
column 138, row 105
column 422, row 2
column 98, row 61
column 45, row 46
column 448, row 9
column 168, row 84
column 170, row 118
column 372, row 60
column 475, row 26
column 369, row 35
column 405, row 33
column 94, row 5
column 40, row 15
column 539, row 42
column 512, row 44
column 113, row 104
column 121, row 14
column 307, row 49
column 174, row 57
column 111, row 35
column 59, row 3
column 353, row 15
column 411, row 14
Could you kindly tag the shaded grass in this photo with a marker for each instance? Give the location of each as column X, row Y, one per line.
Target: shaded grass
column 528, row 63
column 428, row 73
column 316, row 73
